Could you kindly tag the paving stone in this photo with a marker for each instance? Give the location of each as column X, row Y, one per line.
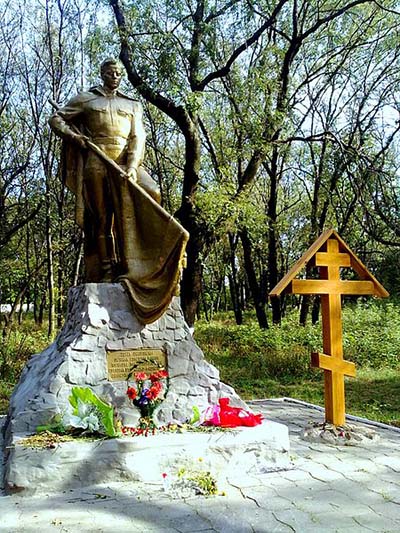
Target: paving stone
column 296, row 475
column 391, row 461
column 388, row 509
column 347, row 503
column 388, row 491
column 296, row 519
column 321, row 473
column 338, row 523
column 267, row 502
column 375, row 522
column 388, row 476
column 312, row 503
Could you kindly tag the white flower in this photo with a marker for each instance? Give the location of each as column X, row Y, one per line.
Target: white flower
column 85, row 418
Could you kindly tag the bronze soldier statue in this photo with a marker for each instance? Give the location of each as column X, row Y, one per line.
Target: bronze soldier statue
column 128, row 236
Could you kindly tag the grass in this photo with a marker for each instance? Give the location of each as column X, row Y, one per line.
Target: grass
column 5, row 393
column 15, row 350
column 275, row 362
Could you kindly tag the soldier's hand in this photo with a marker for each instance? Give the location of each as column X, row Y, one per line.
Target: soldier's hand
column 132, row 174
column 80, row 140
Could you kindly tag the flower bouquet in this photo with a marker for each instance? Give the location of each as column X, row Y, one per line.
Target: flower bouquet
column 148, row 391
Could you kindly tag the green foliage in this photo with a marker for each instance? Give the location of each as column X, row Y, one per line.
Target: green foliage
column 251, row 353
column 372, row 334
column 18, row 346
column 55, row 426
column 105, row 411
column 276, row 362
column 206, row 483
column 200, row 481
column 371, row 339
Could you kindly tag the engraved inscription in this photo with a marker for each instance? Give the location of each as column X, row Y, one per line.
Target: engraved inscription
column 119, row 362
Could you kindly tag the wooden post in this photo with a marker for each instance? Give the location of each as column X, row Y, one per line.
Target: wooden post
column 331, row 361
column 331, row 314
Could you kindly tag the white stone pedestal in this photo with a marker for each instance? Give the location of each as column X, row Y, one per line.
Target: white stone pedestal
column 100, row 318
column 78, row 464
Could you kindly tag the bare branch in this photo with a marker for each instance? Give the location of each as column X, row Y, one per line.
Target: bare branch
column 223, row 71
column 165, row 104
column 215, row 14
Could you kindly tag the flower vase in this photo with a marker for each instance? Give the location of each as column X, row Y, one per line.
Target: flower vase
column 146, row 411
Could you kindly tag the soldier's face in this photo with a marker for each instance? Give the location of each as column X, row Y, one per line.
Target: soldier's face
column 112, row 77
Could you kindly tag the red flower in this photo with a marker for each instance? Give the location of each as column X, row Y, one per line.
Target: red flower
column 156, row 387
column 160, row 374
column 132, row 393
column 141, row 376
column 149, row 394
column 154, row 391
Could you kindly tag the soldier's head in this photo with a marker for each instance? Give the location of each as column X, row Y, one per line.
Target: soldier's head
column 111, row 73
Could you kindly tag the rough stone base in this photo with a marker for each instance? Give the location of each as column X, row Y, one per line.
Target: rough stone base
column 100, row 318
column 346, row 435
column 77, row 464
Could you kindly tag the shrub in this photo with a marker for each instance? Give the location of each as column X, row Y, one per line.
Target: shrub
column 372, row 334
column 16, row 349
column 371, row 338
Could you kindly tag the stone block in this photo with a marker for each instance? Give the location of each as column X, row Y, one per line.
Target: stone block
column 115, row 344
column 125, row 320
column 162, row 324
column 102, row 341
column 56, row 384
column 130, row 343
column 146, row 334
column 98, row 315
column 89, row 330
column 202, row 367
column 76, row 372
column 182, row 350
column 177, row 367
column 169, row 322
column 179, row 334
column 179, row 386
column 153, row 327
column 86, row 357
column 206, row 382
column 96, row 371
column 84, row 343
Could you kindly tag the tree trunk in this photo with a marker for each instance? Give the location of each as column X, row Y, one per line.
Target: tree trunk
column 272, row 239
column 315, row 310
column 78, row 260
column 255, row 289
column 304, row 310
column 50, row 279
column 233, row 281
column 192, row 274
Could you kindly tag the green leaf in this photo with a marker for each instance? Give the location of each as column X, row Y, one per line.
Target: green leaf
column 196, row 415
column 106, row 411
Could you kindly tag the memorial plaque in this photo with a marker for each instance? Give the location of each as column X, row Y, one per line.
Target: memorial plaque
column 119, row 362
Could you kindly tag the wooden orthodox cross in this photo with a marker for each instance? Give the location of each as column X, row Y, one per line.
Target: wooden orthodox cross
column 329, row 254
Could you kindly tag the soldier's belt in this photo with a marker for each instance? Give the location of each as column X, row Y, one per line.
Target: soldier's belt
column 113, row 141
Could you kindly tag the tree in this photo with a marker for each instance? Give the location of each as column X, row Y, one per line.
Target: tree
column 186, row 34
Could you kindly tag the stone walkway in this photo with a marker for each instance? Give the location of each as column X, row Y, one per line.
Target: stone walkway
column 329, row 488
